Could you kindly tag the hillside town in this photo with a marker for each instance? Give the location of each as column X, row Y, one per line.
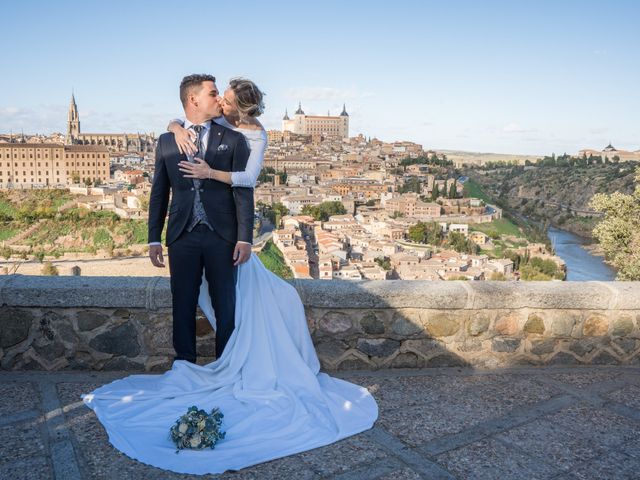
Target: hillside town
column 346, row 205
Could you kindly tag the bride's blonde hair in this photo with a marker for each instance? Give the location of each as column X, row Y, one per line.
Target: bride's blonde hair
column 249, row 98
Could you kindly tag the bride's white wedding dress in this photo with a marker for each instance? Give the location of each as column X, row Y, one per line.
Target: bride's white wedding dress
column 267, row 383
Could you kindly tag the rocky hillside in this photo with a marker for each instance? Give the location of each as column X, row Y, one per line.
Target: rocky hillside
column 559, row 195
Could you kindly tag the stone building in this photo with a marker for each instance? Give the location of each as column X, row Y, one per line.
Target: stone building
column 326, row 126
column 50, row 164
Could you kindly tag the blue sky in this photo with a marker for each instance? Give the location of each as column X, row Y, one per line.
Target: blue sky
column 492, row 76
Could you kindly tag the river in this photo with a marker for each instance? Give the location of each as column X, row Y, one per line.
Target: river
column 581, row 265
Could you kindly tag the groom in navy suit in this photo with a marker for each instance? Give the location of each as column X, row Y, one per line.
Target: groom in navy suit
column 210, row 222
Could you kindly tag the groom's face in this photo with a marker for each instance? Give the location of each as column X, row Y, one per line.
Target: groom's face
column 207, row 100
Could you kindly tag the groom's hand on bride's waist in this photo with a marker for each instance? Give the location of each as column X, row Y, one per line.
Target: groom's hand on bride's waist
column 241, row 253
column 155, row 254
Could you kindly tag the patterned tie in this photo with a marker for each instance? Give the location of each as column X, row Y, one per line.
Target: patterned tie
column 198, row 214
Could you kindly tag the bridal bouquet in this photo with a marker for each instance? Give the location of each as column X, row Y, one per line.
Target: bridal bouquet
column 197, row 430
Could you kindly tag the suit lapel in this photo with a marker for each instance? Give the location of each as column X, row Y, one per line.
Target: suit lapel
column 216, row 132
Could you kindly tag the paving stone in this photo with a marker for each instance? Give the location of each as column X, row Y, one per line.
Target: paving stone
column 490, row 459
column 598, row 425
column 401, row 474
column 345, row 455
column 629, row 396
column 460, row 403
column 282, row 468
column 20, row 441
column 552, row 443
column 612, row 466
column 32, row 468
column 630, row 448
column 585, row 378
column 574, row 435
column 18, row 397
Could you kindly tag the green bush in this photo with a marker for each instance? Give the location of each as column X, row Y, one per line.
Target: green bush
column 50, row 269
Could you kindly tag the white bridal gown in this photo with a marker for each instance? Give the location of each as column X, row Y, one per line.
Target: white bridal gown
column 267, row 383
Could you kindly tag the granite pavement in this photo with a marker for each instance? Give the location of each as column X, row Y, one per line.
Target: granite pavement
column 450, row 423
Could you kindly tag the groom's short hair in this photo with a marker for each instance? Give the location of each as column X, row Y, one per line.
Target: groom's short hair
column 193, row 82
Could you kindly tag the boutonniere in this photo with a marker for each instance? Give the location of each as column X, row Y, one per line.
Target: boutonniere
column 223, row 147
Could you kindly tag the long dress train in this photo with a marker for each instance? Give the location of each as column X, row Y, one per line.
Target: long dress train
column 267, row 383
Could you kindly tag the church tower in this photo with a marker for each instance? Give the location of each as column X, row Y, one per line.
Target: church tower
column 344, row 122
column 73, row 122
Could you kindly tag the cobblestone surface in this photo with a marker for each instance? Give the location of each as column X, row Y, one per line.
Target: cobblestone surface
column 449, row 423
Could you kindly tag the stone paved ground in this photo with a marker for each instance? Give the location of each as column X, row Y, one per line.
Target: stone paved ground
column 525, row 423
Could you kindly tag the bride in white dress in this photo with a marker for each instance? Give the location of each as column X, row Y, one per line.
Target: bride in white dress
column 267, row 382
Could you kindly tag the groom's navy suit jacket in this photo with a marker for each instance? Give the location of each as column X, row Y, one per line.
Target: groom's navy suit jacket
column 229, row 209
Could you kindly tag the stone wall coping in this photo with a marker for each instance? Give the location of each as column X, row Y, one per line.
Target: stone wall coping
column 153, row 293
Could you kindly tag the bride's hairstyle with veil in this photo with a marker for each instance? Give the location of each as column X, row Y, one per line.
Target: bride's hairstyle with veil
column 249, row 98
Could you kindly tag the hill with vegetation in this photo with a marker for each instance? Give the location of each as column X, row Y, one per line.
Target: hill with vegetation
column 556, row 191
column 35, row 219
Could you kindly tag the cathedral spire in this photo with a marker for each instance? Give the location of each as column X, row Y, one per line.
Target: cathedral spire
column 286, row 115
column 73, row 121
column 344, row 110
column 299, row 111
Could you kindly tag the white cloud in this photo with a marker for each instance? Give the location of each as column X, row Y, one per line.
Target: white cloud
column 42, row 119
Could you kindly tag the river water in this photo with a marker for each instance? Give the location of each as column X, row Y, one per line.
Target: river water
column 581, row 265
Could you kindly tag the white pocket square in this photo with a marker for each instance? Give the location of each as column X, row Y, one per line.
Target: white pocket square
column 223, row 147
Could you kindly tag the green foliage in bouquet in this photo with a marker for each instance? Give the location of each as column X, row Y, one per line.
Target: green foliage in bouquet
column 197, row 430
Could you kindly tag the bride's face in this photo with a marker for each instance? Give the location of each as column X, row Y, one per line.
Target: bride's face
column 228, row 103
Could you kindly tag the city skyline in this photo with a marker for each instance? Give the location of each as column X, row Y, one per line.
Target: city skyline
column 495, row 77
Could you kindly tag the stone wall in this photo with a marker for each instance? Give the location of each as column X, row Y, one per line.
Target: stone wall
column 124, row 323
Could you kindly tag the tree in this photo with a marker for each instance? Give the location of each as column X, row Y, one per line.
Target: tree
column 384, row 262
column 279, row 211
column 435, row 193
column 273, row 212
column 283, row 177
column 50, row 269
column 426, row 232
column 323, row 211
column 460, row 243
column 619, row 231
column 453, row 191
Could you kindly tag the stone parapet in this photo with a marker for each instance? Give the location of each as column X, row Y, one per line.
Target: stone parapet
column 116, row 323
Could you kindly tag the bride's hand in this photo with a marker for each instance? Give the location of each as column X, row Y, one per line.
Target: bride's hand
column 199, row 169
column 184, row 138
